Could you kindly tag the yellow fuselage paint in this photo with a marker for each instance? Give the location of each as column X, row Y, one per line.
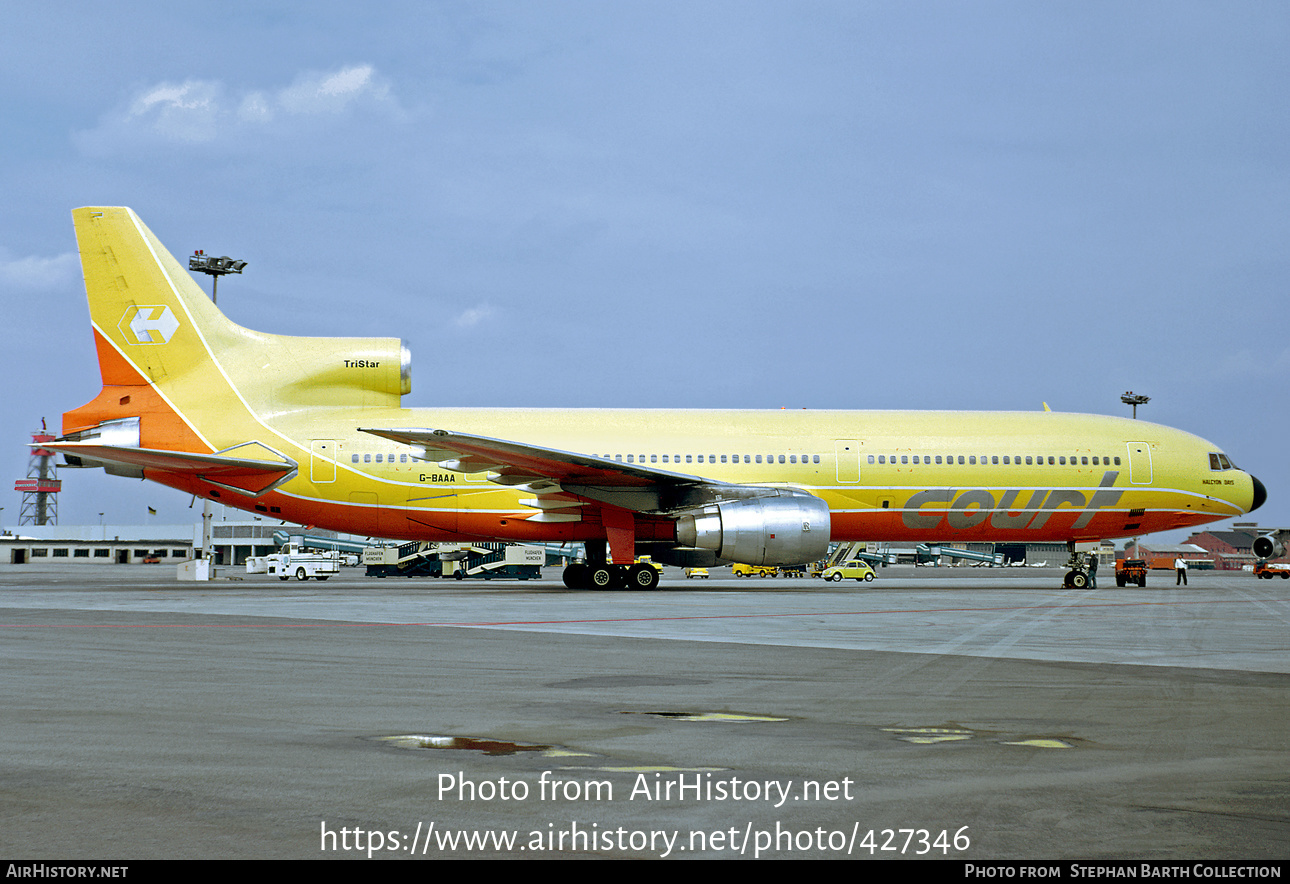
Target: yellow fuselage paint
column 198, row 382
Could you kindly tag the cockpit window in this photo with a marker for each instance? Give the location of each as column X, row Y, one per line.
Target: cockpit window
column 1219, row 461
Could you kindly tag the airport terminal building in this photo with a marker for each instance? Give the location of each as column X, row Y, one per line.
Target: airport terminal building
column 233, row 542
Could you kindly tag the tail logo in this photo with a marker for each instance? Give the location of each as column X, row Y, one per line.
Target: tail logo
column 148, row 324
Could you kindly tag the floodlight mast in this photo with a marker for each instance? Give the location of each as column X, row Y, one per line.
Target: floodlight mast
column 1134, row 399
column 215, row 268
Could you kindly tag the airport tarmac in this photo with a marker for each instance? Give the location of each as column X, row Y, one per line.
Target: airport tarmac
column 963, row 713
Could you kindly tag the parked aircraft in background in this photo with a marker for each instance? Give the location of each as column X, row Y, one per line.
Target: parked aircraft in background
column 311, row 430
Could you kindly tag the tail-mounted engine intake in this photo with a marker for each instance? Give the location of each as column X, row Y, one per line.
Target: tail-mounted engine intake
column 780, row 528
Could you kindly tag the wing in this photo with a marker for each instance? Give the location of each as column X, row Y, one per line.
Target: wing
column 553, row 474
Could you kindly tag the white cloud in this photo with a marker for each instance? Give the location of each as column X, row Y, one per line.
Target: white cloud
column 200, row 111
column 39, row 273
column 332, row 93
column 187, row 112
column 474, row 316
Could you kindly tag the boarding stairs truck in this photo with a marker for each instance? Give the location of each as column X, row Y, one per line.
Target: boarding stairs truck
column 457, row 560
column 939, row 551
column 294, row 561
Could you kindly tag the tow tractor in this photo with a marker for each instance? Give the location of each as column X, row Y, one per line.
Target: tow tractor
column 1265, row 570
column 293, row 561
column 1131, row 571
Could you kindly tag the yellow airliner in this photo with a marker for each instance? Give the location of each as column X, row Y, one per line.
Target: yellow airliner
column 311, row 430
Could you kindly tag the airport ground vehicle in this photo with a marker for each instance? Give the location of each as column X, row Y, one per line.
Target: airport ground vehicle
column 692, row 573
column 739, row 569
column 295, row 562
column 1131, row 571
column 486, row 560
column 1268, row 570
column 856, row 569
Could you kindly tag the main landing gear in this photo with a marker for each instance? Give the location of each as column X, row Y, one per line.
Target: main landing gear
column 598, row 573
column 606, row 576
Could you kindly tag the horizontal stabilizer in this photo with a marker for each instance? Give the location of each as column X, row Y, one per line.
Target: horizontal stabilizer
column 254, row 470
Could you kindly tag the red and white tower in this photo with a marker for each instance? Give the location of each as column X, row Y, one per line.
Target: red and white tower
column 40, row 488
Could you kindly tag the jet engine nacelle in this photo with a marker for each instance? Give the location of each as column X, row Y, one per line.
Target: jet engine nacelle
column 783, row 528
column 1270, row 546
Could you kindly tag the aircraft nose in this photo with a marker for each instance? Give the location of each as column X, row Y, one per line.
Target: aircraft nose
column 1260, row 494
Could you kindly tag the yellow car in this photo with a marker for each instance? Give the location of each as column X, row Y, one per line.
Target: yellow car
column 696, row 572
column 854, row 569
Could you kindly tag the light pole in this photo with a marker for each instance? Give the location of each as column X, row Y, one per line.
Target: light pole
column 214, row 268
column 1134, row 399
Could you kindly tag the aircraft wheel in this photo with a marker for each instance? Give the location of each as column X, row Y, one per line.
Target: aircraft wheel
column 600, row 577
column 321, row 578
column 301, row 575
column 642, row 577
column 575, row 577
column 284, row 577
column 1077, row 580
column 868, row 578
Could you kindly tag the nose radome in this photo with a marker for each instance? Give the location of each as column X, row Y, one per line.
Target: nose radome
column 1260, row 494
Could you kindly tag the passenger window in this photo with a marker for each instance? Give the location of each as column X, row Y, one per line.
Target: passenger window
column 367, row 458
column 354, row 459
column 1117, row 461
column 1028, row 462
column 904, row 458
column 815, row 458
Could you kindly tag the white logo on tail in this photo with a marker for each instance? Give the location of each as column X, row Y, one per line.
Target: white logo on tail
column 148, row 324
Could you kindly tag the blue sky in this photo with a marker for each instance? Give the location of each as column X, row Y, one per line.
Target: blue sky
column 699, row 204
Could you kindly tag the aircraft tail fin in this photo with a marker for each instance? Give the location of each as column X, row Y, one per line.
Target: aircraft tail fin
column 196, row 380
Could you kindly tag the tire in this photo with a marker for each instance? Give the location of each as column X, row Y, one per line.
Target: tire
column 301, row 575
column 868, row 578
column 1077, row 580
column 600, row 577
column 837, row 577
column 642, row 577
